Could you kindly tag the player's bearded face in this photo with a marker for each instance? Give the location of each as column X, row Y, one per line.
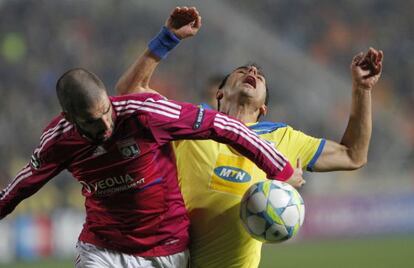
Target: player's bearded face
column 97, row 123
column 246, row 83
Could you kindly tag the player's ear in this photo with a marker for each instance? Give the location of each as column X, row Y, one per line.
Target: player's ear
column 219, row 94
column 263, row 110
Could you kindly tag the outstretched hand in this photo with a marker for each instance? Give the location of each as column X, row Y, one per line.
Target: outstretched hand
column 366, row 68
column 296, row 180
column 184, row 22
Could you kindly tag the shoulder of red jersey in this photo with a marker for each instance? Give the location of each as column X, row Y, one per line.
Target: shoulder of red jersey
column 138, row 97
column 146, row 103
column 56, row 131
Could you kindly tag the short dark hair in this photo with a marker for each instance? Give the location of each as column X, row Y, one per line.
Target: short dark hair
column 224, row 81
column 78, row 88
column 212, row 83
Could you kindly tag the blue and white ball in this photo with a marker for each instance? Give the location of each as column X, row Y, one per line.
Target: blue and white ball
column 272, row 211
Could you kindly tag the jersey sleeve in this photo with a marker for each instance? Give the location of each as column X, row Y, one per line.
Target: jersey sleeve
column 42, row 167
column 169, row 120
column 300, row 145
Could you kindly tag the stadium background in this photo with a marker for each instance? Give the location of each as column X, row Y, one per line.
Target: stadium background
column 354, row 219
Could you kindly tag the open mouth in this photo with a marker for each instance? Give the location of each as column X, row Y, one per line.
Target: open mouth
column 250, row 80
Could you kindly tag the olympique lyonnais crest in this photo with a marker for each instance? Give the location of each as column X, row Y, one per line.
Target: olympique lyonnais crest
column 128, row 148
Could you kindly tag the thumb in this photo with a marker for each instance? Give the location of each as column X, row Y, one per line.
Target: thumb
column 191, row 23
column 299, row 163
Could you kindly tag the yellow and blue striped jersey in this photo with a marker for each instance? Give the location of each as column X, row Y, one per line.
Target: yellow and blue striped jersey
column 213, row 178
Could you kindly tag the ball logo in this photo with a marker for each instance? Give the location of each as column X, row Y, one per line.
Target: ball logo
column 232, row 174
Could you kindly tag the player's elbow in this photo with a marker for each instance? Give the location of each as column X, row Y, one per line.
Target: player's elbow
column 358, row 163
column 124, row 89
column 121, row 88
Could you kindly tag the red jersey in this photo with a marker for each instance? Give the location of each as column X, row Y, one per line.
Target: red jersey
column 132, row 199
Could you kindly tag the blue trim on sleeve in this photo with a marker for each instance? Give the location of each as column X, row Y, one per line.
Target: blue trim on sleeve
column 205, row 106
column 316, row 156
column 266, row 127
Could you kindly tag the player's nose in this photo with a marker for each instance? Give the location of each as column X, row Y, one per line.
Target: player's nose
column 252, row 70
column 107, row 122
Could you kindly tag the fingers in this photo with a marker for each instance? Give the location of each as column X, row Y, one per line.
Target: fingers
column 380, row 56
column 357, row 59
column 299, row 163
column 182, row 16
column 299, row 166
column 195, row 14
column 374, row 62
column 299, row 172
column 378, row 61
column 370, row 62
column 197, row 23
column 300, row 182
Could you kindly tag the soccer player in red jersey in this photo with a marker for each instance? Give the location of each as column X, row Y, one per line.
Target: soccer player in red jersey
column 118, row 149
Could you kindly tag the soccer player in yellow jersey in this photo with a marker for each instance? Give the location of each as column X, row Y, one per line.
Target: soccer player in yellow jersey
column 213, row 177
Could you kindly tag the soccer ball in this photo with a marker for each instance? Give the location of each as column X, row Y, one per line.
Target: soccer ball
column 272, row 211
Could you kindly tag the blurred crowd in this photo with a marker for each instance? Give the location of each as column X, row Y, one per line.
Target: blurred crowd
column 39, row 40
column 331, row 32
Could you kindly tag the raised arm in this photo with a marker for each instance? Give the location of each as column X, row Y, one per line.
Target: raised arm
column 182, row 23
column 352, row 152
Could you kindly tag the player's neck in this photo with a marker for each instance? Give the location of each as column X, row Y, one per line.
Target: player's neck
column 244, row 113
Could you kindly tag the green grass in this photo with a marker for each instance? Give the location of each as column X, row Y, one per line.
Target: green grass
column 367, row 253
column 375, row 252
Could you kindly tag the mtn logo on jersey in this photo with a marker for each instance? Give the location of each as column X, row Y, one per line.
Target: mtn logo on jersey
column 128, row 148
column 232, row 174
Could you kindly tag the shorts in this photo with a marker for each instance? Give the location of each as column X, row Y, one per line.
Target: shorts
column 90, row 256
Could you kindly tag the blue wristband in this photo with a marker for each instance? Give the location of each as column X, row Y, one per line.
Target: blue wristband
column 163, row 43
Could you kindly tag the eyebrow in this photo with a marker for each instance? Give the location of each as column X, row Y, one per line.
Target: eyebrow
column 107, row 110
column 91, row 120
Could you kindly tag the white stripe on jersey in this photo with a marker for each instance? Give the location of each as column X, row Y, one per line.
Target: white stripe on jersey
column 165, row 102
column 26, row 172
column 161, row 107
column 53, row 130
column 256, row 141
column 134, row 104
column 269, row 148
column 238, row 132
column 169, row 103
column 50, row 137
column 129, row 111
